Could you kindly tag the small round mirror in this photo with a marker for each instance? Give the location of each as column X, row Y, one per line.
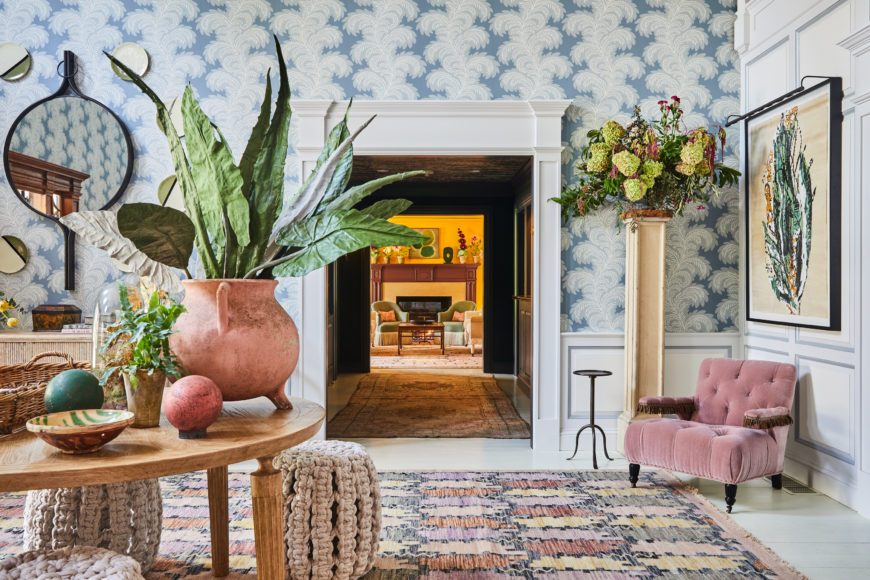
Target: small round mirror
column 13, row 254
column 14, row 61
column 68, row 154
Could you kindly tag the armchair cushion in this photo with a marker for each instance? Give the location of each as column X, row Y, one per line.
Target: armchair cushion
column 683, row 406
column 387, row 316
column 720, row 452
column 767, row 418
column 458, row 316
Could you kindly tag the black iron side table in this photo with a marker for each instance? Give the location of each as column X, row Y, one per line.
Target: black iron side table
column 592, row 374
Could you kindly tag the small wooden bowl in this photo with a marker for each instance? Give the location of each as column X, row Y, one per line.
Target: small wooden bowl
column 83, row 431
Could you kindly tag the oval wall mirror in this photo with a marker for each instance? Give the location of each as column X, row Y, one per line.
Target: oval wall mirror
column 67, row 153
column 13, row 254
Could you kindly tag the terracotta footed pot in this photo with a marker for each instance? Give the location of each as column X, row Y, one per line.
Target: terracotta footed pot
column 144, row 395
column 237, row 334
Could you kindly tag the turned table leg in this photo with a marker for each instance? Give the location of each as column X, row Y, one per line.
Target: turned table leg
column 219, row 520
column 266, row 496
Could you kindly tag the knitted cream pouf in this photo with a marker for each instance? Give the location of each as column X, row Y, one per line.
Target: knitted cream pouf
column 332, row 510
column 78, row 563
column 122, row 517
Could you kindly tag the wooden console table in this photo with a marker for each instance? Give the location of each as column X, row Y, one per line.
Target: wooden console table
column 465, row 273
column 20, row 346
column 245, row 430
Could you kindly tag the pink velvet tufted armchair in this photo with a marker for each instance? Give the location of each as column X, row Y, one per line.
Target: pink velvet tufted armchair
column 733, row 429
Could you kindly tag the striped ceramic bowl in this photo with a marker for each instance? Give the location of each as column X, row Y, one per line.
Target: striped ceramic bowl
column 82, row 431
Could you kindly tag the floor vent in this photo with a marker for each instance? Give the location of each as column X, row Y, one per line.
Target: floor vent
column 789, row 485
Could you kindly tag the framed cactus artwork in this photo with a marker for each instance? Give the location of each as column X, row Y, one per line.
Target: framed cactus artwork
column 793, row 159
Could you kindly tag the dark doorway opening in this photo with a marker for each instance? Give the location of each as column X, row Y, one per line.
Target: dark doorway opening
column 459, row 186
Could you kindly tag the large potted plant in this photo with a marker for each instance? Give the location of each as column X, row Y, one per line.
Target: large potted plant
column 648, row 168
column 234, row 330
column 142, row 356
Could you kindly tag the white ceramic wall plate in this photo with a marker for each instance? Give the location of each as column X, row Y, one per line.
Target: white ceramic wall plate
column 133, row 56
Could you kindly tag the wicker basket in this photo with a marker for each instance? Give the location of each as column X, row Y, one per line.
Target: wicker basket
column 22, row 388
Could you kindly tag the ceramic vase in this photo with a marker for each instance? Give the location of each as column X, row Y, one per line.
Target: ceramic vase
column 463, row 259
column 144, row 395
column 237, row 334
column 401, row 259
column 476, row 259
column 191, row 405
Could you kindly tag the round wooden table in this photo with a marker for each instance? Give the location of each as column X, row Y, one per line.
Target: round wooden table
column 245, row 430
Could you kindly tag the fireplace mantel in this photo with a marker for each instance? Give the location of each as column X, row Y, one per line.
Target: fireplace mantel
column 466, row 273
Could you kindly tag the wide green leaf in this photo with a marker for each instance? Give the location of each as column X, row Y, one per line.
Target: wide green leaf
column 100, row 229
column 340, row 177
column 387, row 208
column 255, row 143
column 315, row 188
column 267, row 182
column 355, row 194
column 326, row 237
column 182, row 171
column 161, row 233
column 218, row 180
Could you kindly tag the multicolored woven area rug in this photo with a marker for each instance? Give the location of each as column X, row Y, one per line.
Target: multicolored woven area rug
column 425, row 356
column 470, row 526
column 428, row 405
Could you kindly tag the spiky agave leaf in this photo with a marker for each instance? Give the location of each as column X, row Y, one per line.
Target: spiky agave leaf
column 789, row 194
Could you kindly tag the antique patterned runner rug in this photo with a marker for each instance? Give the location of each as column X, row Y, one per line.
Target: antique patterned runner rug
column 428, row 405
column 425, row 356
column 476, row 525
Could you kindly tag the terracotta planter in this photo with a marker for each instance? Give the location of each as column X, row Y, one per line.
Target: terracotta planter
column 235, row 333
column 144, row 396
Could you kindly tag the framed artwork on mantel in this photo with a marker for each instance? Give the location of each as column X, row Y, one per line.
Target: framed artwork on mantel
column 429, row 247
column 792, row 161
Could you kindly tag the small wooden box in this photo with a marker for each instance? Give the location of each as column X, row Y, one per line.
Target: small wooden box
column 52, row 317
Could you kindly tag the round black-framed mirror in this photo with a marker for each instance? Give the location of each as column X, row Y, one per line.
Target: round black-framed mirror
column 68, row 152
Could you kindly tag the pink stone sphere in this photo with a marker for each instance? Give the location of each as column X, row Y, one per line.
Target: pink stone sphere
column 192, row 404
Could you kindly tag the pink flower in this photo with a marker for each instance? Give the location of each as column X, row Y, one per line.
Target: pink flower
column 675, row 98
column 701, row 207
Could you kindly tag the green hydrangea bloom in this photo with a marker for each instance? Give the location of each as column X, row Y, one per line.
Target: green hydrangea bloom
column 647, row 180
column 693, row 153
column 612, row 131
column 599, row 157
column 627, row 162
column 634, row 189
column 702, row 168
column 652, row 168
column 685, row 168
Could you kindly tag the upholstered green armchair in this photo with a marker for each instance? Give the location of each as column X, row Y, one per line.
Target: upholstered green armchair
column 387, row 331
column 454, row 330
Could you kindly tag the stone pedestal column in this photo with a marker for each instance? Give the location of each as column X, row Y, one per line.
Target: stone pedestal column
column 644, row 311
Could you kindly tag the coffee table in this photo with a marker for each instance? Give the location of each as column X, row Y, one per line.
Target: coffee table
column 245, row 430
column 411, row 328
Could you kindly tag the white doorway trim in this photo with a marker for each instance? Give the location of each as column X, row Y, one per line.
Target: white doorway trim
column 453, row 128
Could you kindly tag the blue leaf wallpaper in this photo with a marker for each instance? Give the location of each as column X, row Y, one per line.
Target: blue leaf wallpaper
column 605, row 55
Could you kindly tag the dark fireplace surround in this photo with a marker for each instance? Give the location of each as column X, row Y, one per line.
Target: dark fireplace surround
column 423, row 307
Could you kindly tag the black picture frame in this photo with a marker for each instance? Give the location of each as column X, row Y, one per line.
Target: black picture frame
column 793, row 242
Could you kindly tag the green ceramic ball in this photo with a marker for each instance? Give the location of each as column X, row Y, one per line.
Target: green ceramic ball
column 73, row 389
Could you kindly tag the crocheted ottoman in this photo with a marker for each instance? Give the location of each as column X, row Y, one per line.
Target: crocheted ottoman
column 332, row 510
column 122, row 517
column 74, row 563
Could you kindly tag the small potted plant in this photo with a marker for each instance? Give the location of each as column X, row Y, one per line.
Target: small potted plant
column 140, row 343
column 475, row 245
column 401, row 253
column 375, row 253
column 386, row 252
column 463, row 248
column 7, row 307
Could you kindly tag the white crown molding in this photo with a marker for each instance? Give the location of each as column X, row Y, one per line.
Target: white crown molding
column 858, row 42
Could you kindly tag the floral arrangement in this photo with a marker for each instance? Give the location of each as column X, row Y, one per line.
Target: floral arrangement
column 7, row 306
column 387, row 251
column 475, row 245
column 401, row 251
column 661, row 165
column 375, row 253
column 463, row 246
